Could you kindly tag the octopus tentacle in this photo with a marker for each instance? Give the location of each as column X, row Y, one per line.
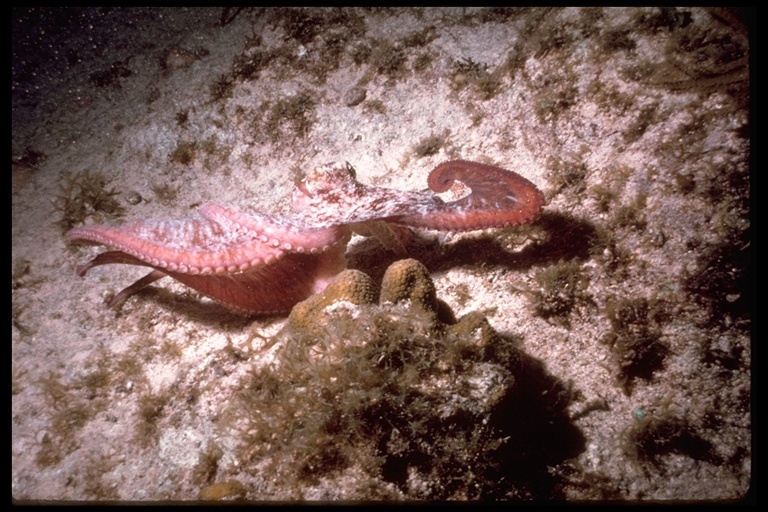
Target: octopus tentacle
column 251, row 290
column 187, row 249
column 108, row 258
column 114, row 257
column 273, row 288
column 499, row 198
column 142, row 283
column 280, row 233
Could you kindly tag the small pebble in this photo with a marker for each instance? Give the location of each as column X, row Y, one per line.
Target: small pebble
column 354, row 96
column 133, row 198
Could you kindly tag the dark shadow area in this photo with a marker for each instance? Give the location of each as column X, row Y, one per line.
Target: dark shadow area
column 538, row 430
column 563, row 238
column 511, row 449
column 654, row 438
column 192, row 307
column 726, row 286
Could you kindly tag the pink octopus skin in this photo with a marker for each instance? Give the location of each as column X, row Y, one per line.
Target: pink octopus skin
column 266, row 264
column 499, row 198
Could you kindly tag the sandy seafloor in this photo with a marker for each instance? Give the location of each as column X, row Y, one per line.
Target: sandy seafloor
column 632, row 291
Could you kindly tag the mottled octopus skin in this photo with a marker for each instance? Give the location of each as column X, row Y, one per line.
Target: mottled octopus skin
column 266, row 264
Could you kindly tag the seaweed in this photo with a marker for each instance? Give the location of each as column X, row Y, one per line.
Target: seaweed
column 388, row 59
column 165, row 193
column 181, row 117
column 208, row 464
column 570, row 171
column 303, row 25
column 466, row 72
column 30, row 158
column 421, row 37
column 431, row 144
column 184, row 153
column 724, row 283
column 647, row 116
column 248, row 66
column 150, row 410
column 222, row 88
column 563, row 288
column 69, row 416
column 295, row 114
column 392, row 390
column 635, row 340
column 85, row 195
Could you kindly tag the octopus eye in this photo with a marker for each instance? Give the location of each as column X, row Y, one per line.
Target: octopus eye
column 302, row 185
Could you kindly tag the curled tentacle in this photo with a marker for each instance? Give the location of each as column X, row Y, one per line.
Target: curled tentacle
column 499, row 198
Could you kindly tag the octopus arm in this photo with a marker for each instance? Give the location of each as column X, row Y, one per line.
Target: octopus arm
column 219, row 241
column 273, row 288
column 499, row 198
column 269, row 288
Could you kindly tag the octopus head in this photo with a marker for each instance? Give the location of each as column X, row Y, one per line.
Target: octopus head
column 324, row 181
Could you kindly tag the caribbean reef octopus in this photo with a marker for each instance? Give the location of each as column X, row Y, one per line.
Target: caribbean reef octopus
column 266, row 263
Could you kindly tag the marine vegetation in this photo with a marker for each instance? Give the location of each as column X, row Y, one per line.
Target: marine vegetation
column 412, row 405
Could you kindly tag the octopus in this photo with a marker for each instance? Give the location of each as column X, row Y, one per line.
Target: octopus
column 266, row 264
